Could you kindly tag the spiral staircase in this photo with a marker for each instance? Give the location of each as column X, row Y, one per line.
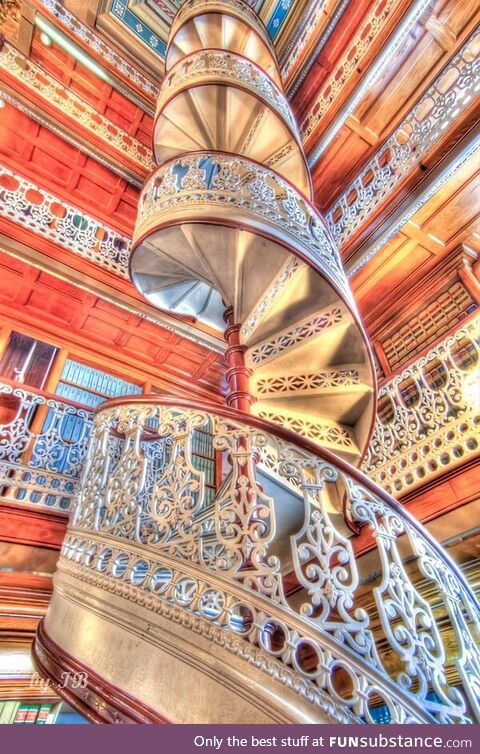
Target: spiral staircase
column 258, row 605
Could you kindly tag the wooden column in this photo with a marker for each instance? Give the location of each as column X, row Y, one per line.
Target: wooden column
column 238, row 394
column 5, row 332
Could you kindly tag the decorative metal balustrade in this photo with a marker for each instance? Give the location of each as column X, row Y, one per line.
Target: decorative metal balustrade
column 429, row 414
column 43, row 444
column 449, row 96
column 258, row 195
column 283, row 592
column 213, row 64
column 28, row 74
column 25, row 203
column 22, row 202
column 306, row 35
column 427, row 423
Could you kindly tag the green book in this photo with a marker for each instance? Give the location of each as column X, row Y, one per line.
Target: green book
column 32, row 713
column 21, row 714
column 43, row 714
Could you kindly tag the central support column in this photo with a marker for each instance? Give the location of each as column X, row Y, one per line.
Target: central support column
column 238, row 394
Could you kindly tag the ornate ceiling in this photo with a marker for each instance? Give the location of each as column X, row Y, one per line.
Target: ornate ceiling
column 143, row 25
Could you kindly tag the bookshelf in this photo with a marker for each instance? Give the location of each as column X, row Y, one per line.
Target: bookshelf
column 25, row 713
column 90, row 387
column 204, row 459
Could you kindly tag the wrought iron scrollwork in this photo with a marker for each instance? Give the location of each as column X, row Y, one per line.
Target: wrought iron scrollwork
column 229, row 555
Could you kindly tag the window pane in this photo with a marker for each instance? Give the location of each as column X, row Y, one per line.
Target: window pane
column 27, row 360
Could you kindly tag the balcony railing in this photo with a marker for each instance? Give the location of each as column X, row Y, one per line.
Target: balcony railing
column 43, row 444
column 428, row 419
column 67, row 104
column 427, row 424
column 446, row 100
column 26, row 204
column 270, row 573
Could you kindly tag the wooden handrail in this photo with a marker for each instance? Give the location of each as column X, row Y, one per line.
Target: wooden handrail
column 44, row 394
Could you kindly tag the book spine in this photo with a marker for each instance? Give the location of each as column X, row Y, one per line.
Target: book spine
column 8, row 712
column 43, row 713
column 32, row 714
column 53, row 714
column 21, row 715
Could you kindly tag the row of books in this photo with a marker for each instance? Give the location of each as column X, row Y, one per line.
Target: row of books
column 202, row 444
column 18, row 713
column 77, row 394
column 94, row 379
column 207, row 466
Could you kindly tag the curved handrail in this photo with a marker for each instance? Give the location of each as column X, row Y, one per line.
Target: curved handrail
column 233, row 155
column 240, row 11
column 300, row 241
column 308, row 446
column 224, row 77
column 59, row 399
column 139, row 520
column 298, row 230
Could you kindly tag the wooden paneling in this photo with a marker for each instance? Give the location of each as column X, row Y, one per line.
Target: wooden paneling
column 428, row 48
column 24, row 526
column 105, row 335
column 330, row 54
column 101, row 95
column 445, row 494
column 443, row 224
column 40, row 155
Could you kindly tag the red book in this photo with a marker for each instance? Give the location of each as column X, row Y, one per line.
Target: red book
column 43, row 714
column 21, row 714
column 32, row 713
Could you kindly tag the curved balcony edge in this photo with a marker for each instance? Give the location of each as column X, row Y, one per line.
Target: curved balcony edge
column 305, row 444
column 265, row 569
column 171, row 623
column 292, row 214
column 84, row 690
column 237, row 10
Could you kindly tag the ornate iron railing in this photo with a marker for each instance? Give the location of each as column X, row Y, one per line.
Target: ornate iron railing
column 213, row 181
column 449, row 96
column 43, row 444
column 304, row 35
column 56, row 95
column 229, row 68
column 283, row 591
column 25, row 203
column 429, row 414
column 427, row 423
